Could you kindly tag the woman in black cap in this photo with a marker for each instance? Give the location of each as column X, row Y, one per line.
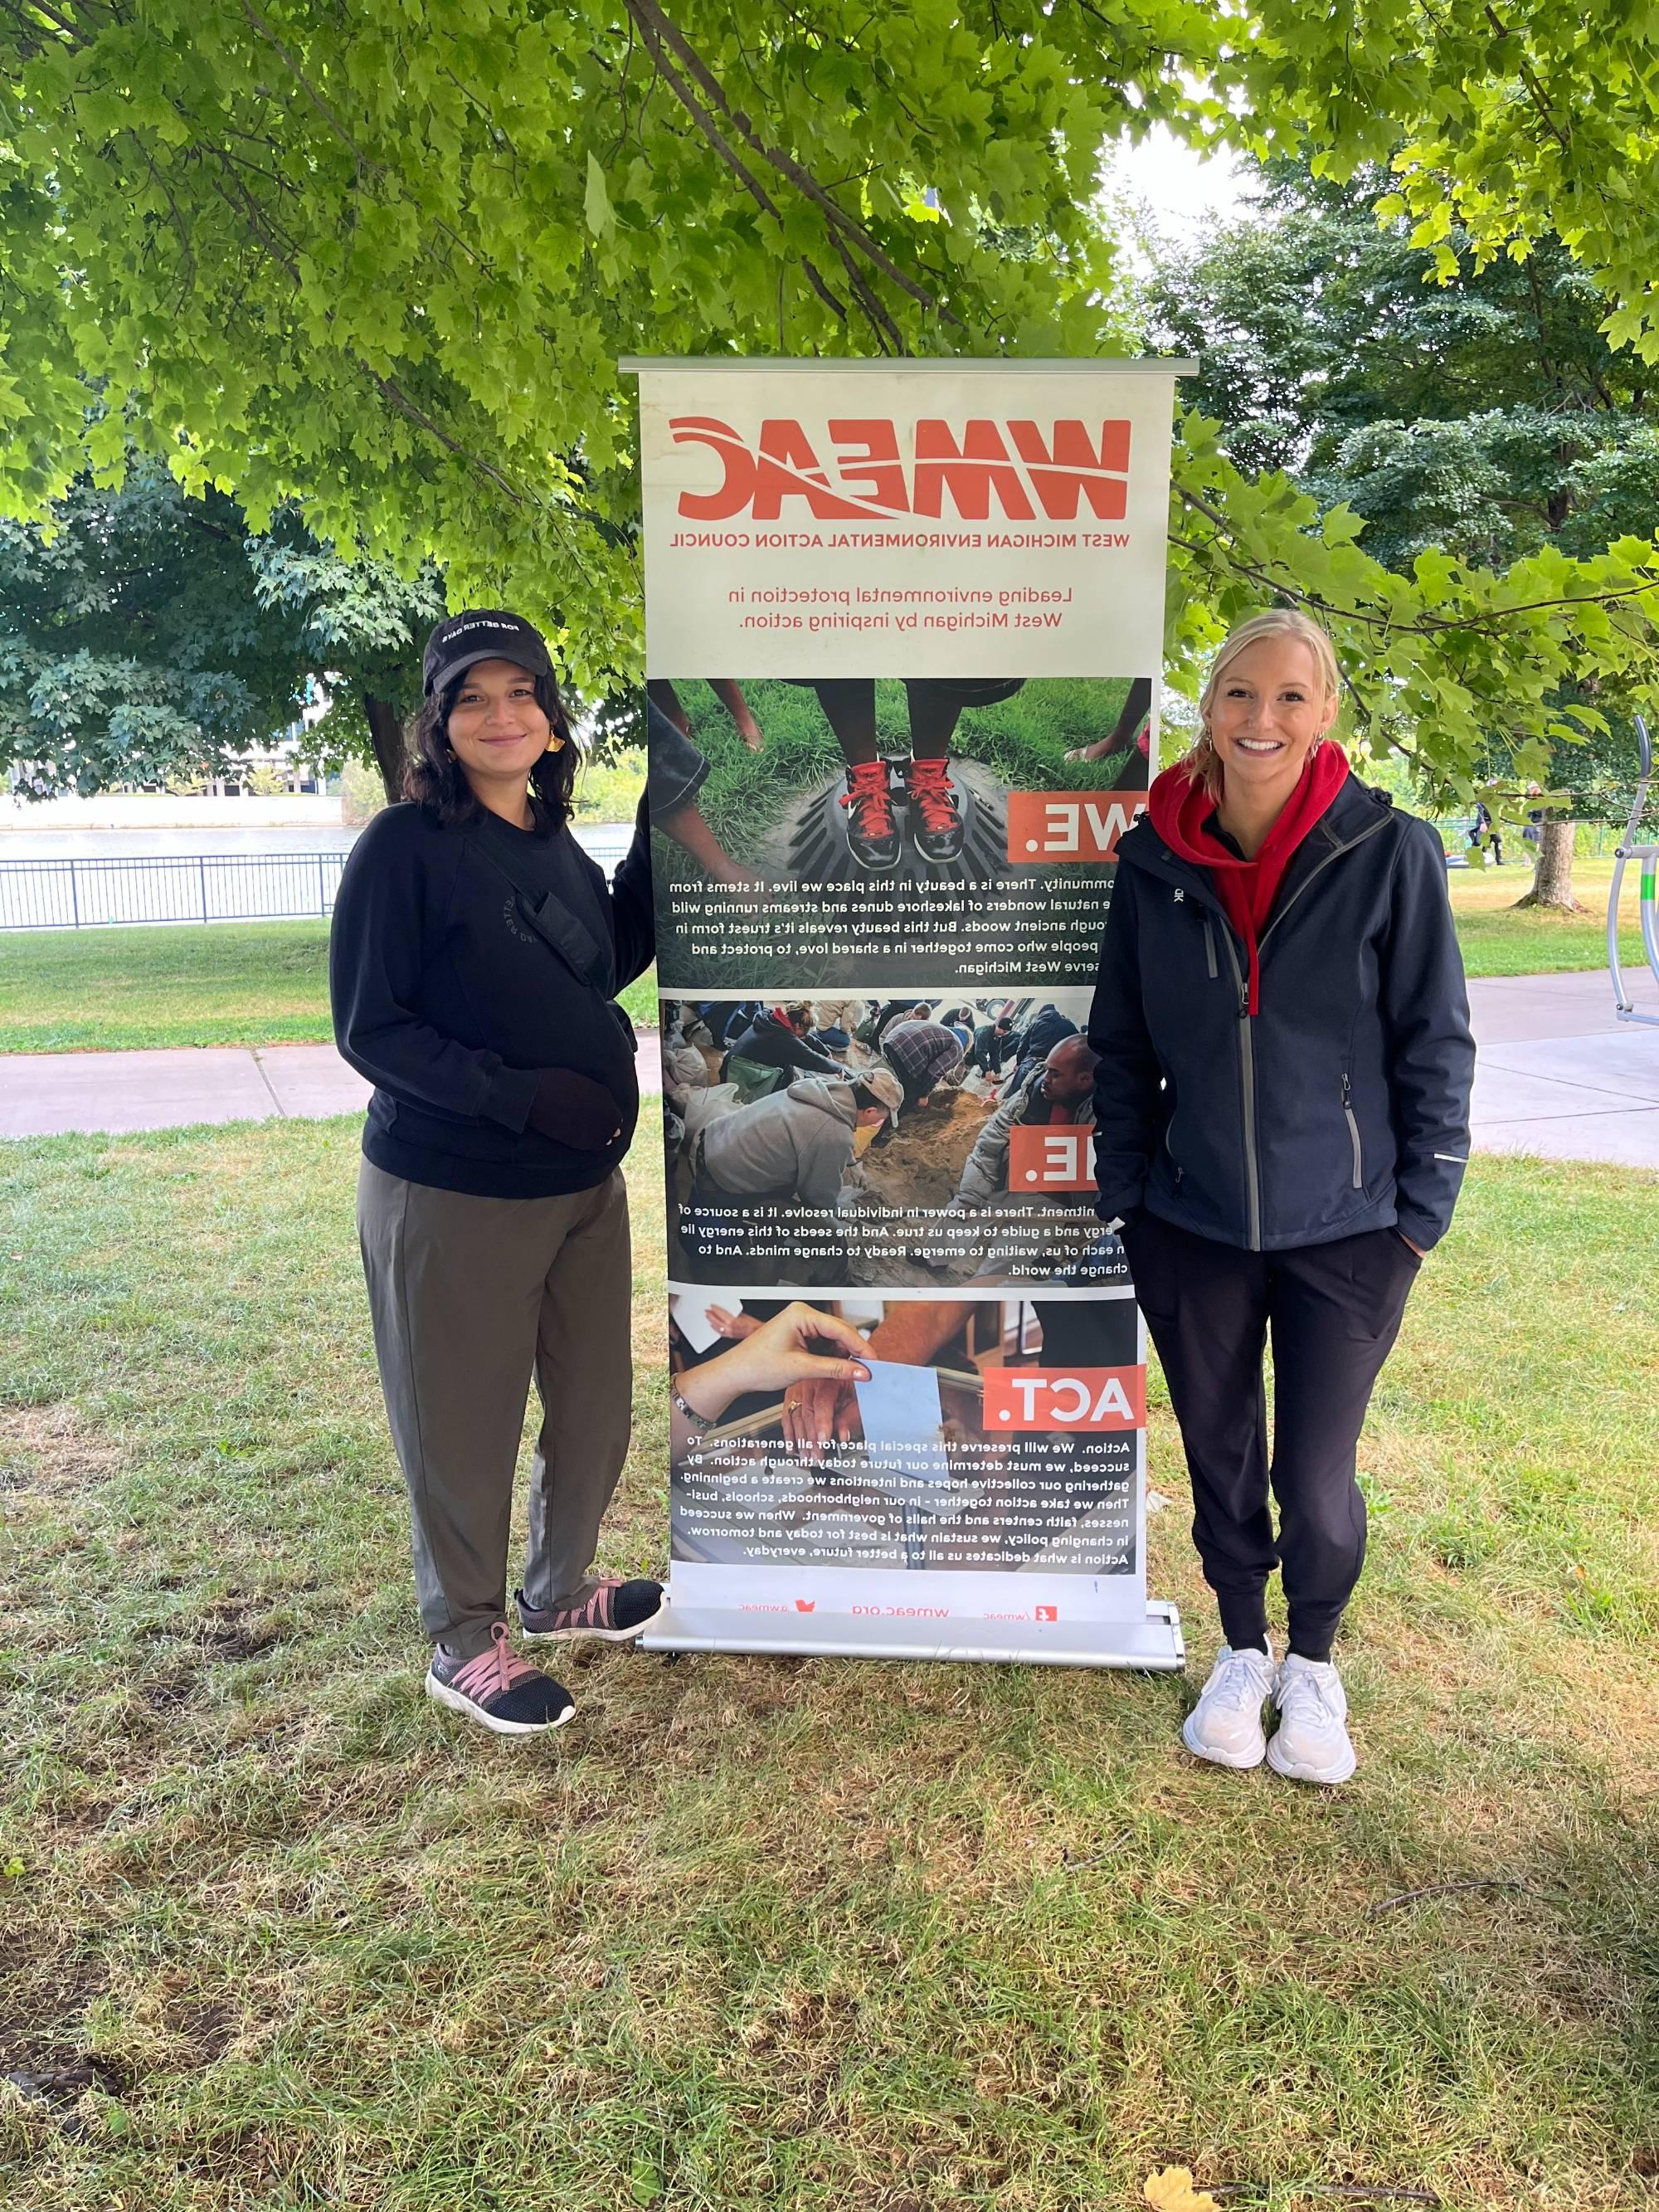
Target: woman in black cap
column 476, row 956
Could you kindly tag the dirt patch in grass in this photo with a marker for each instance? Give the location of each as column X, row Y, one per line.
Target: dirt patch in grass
column 46, row 1992
column 52, row 1448
column 229, row 1633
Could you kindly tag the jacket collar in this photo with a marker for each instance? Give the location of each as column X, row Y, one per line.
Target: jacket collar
column 1355, row 811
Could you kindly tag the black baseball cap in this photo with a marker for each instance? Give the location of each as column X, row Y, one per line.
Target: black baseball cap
column 482, row 634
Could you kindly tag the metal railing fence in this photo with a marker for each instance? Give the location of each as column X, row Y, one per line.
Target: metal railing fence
column 184, row 887
column 89, row 894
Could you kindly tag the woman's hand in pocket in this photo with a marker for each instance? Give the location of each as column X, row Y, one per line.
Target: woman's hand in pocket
column 573, row 1109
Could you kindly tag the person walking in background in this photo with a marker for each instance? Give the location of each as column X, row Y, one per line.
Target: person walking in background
column 1281, row 1117
column 473, row 964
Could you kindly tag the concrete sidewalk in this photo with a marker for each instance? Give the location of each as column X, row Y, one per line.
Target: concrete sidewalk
column 45, row 1094
column 1558, row 1076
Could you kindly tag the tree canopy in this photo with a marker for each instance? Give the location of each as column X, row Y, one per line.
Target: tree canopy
column 145, row 635
column 1485, row 413
column 1513, row 122
column 1484, row 416
column 376, row 266
column 132, row 635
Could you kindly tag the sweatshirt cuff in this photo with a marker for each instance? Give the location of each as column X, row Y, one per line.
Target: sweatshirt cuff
column 508, row 1096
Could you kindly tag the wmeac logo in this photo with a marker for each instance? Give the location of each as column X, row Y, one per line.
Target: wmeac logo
column 853, row 469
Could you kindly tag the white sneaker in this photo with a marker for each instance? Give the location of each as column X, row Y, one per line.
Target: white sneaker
column 1310, row 1743
column 1225, row 1724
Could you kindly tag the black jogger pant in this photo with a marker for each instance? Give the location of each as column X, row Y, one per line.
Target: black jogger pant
column 1333, row 1311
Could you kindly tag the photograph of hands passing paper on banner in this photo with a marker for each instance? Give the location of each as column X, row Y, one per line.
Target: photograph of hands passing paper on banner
column 963, row 1434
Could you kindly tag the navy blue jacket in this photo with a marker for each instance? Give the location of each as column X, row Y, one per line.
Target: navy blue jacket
column 1341, row 1105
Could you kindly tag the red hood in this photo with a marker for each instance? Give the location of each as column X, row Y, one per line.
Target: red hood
column 1179, row 808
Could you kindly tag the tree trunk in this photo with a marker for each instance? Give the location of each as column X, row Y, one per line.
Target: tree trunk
column 386, row 735
column 1552, row 881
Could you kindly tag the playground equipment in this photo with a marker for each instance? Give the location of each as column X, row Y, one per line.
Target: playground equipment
column 1648, row 856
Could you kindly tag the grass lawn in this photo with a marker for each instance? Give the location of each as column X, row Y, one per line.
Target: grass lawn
column 820, row 1935
column 266, row 982
column 1498, row 941
column 236, row 983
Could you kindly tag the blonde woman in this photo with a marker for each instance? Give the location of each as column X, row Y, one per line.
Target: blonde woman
column 1281, row 1117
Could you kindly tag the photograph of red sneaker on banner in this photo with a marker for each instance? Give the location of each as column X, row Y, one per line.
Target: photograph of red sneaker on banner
column 931, row 801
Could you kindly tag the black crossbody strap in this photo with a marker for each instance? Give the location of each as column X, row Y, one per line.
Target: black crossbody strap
column 568, row 935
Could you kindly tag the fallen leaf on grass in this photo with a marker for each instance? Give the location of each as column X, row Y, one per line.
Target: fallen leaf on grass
column 1170, row 2190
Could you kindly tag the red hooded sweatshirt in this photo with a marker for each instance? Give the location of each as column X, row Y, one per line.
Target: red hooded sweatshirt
column 1179, row 809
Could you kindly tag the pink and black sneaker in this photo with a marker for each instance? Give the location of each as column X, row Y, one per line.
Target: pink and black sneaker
column 610, row 1612
column 497, row 1690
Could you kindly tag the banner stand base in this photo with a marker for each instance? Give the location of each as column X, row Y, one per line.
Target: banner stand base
column 1153, row 1645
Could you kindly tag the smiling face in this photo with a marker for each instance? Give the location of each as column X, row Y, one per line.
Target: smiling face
column 1269, row 711
column 496, row 728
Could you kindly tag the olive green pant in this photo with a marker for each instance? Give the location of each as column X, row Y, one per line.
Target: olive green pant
column 470, row 1297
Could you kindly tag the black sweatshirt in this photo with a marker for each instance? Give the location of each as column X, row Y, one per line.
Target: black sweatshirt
column 451, row 1004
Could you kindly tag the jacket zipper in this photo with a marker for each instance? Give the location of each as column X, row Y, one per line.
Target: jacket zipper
column 1381, row 824
column 1247, row 1086
column 1209, row 947
column 1247, row 1038
column 1353, row 1132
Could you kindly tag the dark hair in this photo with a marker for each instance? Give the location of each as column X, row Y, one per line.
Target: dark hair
column 434, row 778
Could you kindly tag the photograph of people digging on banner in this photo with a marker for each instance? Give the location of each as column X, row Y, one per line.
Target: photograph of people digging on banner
column 949, row 1434
column 867, row 1142
column 893, row 801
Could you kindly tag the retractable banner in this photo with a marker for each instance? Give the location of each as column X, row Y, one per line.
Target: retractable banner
column 904, row 626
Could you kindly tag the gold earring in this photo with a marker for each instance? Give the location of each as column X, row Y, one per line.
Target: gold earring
column 555, row 743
